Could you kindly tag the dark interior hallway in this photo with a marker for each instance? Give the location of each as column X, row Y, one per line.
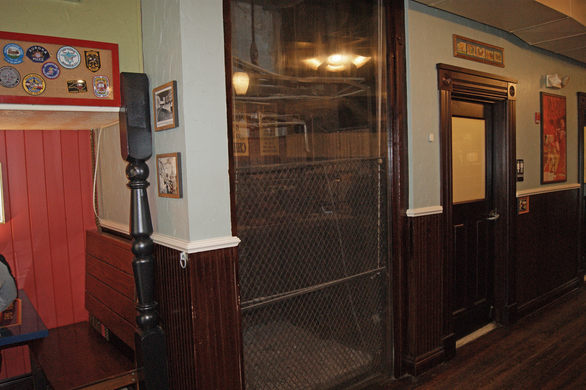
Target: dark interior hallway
column 545, row 350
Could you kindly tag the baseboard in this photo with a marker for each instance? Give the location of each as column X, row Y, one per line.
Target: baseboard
column 22, row 382
column 510, row 315
column 417, row 365
column 547, row 298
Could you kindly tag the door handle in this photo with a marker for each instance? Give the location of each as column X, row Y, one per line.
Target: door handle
column 493, row 216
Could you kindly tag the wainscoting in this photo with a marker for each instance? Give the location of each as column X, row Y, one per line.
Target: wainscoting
column 199, row 312
column 425, row 306
column 47, row 189
column 547, row 258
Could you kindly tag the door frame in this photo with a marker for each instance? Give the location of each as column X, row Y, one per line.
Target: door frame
column 397, row 173
column 582, row 214
column 501, row 92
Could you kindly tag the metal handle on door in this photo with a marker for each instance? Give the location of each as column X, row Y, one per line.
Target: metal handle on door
column 493, row 216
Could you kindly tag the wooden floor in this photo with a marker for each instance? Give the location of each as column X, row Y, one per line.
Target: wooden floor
column 546, row 350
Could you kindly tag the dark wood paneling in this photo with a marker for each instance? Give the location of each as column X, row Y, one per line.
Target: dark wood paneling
column 217, row 331
column 119, row 281
column 173, row 293
column 112, row 320
column 547, row 249
column 424, row 346
column 111, row 298
column 114, row 250
column 199, row 307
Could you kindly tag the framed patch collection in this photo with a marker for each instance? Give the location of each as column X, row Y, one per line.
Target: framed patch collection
column 36, row 69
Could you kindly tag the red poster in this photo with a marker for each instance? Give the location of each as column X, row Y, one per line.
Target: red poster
column 554, row 167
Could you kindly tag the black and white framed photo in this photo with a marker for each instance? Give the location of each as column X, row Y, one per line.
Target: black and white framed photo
column 169, row 175
column 165, row 106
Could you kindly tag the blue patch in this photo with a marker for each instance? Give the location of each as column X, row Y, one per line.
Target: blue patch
column 51, row 70
column 37, row 54
column 13, row 53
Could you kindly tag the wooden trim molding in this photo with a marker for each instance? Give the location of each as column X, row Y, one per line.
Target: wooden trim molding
column 548, row 189
column 208, row 244
column 423, row 211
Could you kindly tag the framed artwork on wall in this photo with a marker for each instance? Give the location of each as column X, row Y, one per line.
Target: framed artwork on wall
column 165, row 106
column 554, row 164
column 169, row 175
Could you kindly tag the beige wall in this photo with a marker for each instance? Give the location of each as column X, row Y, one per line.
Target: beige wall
column 429, row 41
column 115, row 21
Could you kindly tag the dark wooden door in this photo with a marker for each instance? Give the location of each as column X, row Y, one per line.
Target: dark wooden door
column 473, row 215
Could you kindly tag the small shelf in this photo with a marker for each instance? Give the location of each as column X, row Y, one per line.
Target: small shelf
column 56, row 117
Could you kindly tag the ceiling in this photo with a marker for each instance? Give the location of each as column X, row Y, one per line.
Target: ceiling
column 558, row 26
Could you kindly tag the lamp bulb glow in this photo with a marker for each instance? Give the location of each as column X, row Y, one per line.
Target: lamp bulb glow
column 240, row 81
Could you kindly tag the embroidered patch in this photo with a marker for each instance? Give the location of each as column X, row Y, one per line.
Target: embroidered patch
column 101, row 86
column 68, row 57
column 92, row 60
column 37, row 54
column 13, row 53
column 51, row 70
column 33, row 84
column 9, row 77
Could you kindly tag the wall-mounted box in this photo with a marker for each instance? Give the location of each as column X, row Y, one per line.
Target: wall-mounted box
column 36, row 69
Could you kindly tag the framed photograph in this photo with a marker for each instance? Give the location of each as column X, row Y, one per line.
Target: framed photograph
column 165, row 106
column 169, row 175
column 554, row 164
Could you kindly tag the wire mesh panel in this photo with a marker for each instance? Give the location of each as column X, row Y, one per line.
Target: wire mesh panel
column 312, row 266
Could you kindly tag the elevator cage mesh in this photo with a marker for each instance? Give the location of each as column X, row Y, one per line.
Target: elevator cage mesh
column 313, row 272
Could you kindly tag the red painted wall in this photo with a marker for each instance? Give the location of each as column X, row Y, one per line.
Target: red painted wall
column 48, row 204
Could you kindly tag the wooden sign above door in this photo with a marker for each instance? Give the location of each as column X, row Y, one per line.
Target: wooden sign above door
column 37, row 69
column 478, row 51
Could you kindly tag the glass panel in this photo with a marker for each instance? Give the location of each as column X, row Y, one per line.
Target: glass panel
column 468, row 159
column 310, row 189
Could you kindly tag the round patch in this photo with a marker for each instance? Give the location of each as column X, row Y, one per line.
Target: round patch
column 9, row 77
column 37, row 54
column 101, row 86
column 51, row 70
column 13, row 53
column 33, row 84
column 68, row 57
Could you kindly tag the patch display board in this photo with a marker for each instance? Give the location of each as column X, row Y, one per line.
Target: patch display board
column 36, row 69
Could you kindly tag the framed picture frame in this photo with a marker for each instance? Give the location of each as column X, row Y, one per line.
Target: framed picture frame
column 165, row 106
column 554, row 163
column 169, row 175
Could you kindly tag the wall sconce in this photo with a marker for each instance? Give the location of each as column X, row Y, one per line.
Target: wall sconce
column 554, row 81
column 2, row 218
column 240, row 81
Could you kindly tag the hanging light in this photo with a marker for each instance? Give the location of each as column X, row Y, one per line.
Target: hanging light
column 336, row 62
column 358, row 61
column 240, row 81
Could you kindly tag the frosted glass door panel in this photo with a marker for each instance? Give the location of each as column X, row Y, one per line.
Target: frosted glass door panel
column 468, row 159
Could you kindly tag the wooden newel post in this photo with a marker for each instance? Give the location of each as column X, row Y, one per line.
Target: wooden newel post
column 136, row 147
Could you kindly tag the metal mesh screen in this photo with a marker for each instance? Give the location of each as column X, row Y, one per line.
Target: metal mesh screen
column 312, row 266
